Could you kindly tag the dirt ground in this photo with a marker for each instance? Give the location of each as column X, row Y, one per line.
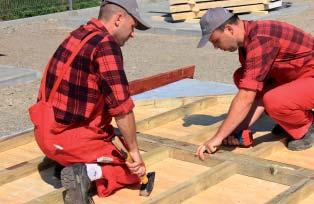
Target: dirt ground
column 31, row 44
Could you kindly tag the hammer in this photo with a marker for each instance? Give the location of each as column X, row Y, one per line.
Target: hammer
column 147, row 181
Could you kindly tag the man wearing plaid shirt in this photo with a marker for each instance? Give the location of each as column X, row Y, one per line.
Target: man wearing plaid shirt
column 276, row 76
column 93, row 90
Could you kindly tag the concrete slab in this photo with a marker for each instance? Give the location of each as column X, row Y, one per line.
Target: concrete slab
column 10, row 76
column 187, row 88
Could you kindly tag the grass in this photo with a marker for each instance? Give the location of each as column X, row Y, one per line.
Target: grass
column 14, row 9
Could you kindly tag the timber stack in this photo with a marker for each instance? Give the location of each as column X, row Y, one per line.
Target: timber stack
column 194, row 9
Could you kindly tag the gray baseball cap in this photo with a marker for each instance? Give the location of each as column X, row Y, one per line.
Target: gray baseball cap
column 210, row 21
column 131, row 7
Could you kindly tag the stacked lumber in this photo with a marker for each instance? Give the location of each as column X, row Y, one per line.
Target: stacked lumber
column 190, row 9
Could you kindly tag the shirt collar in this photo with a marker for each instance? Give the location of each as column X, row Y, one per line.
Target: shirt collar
column 98, row 24
column 247, row 29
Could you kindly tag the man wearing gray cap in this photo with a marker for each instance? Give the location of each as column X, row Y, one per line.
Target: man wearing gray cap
column 276, row 76
column 83, row 88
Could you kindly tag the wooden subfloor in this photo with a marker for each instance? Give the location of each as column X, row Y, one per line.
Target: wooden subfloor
column 173, row 128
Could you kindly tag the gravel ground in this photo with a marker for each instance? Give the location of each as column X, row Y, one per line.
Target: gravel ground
column 31, row 44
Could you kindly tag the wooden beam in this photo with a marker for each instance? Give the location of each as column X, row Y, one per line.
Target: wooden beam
column 188, row 157
column 149, row 83
column 167, row 102
column 195, row 185
column 24, row 169
column 156, row 155
column 16, row 140
column 296, row 193
column 174, row 114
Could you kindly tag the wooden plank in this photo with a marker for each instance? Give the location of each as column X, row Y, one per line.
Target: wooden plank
column 167, row 102
column 214, row 4
column 156, row 155
column 295, row 193
column 195, row 185
column 174, row 114
column 16, row 140
column 23, row 169
column 188, row 157
column 149, row 83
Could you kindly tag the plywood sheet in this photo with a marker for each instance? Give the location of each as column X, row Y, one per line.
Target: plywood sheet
column 239, row 189
column 308, row 200
column 142, row 113
column 300, row 158
column 192, row 123
column 25, row 189
column 169, row 173
column 19, row 154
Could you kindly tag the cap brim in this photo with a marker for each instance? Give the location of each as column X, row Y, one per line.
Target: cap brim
column 203, row 41
column 141, row 24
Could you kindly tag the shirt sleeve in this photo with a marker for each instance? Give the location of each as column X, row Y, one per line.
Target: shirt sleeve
column 260, row 56
column 114, row 83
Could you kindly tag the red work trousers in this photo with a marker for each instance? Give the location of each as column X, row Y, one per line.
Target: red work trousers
column 82, row 143
column 289, row 104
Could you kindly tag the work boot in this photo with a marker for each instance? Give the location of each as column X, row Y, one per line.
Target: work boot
column 303, row 143
column 77, row 184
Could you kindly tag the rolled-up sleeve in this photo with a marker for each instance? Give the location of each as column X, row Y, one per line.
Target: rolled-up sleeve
column 260, row 56
column 114, row 83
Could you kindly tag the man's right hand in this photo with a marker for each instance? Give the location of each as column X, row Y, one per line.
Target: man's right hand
column 137, row 166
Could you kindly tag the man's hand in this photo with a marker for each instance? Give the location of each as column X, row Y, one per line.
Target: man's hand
column 137, row 166
column 209, row 146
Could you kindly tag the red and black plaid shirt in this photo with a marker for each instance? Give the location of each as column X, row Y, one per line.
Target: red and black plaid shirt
column 97, row 71
column 274, row 53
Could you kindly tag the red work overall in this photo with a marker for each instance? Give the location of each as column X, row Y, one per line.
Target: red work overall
column 80, row 143
column 288, row 104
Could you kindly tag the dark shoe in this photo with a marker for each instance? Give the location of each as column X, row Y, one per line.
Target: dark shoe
column 57, row 171
column 278, row 130
column 77, row 184
column 304, row 143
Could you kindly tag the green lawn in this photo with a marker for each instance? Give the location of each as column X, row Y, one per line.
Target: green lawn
column 14, row 9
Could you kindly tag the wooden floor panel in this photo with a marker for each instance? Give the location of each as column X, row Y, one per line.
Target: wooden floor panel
column 169, row 172
column 239, row 189
column 25, row 189
column 142, row 113
column 19, row 154
column 303, row 158
column 308, row 200
column 190, row 124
